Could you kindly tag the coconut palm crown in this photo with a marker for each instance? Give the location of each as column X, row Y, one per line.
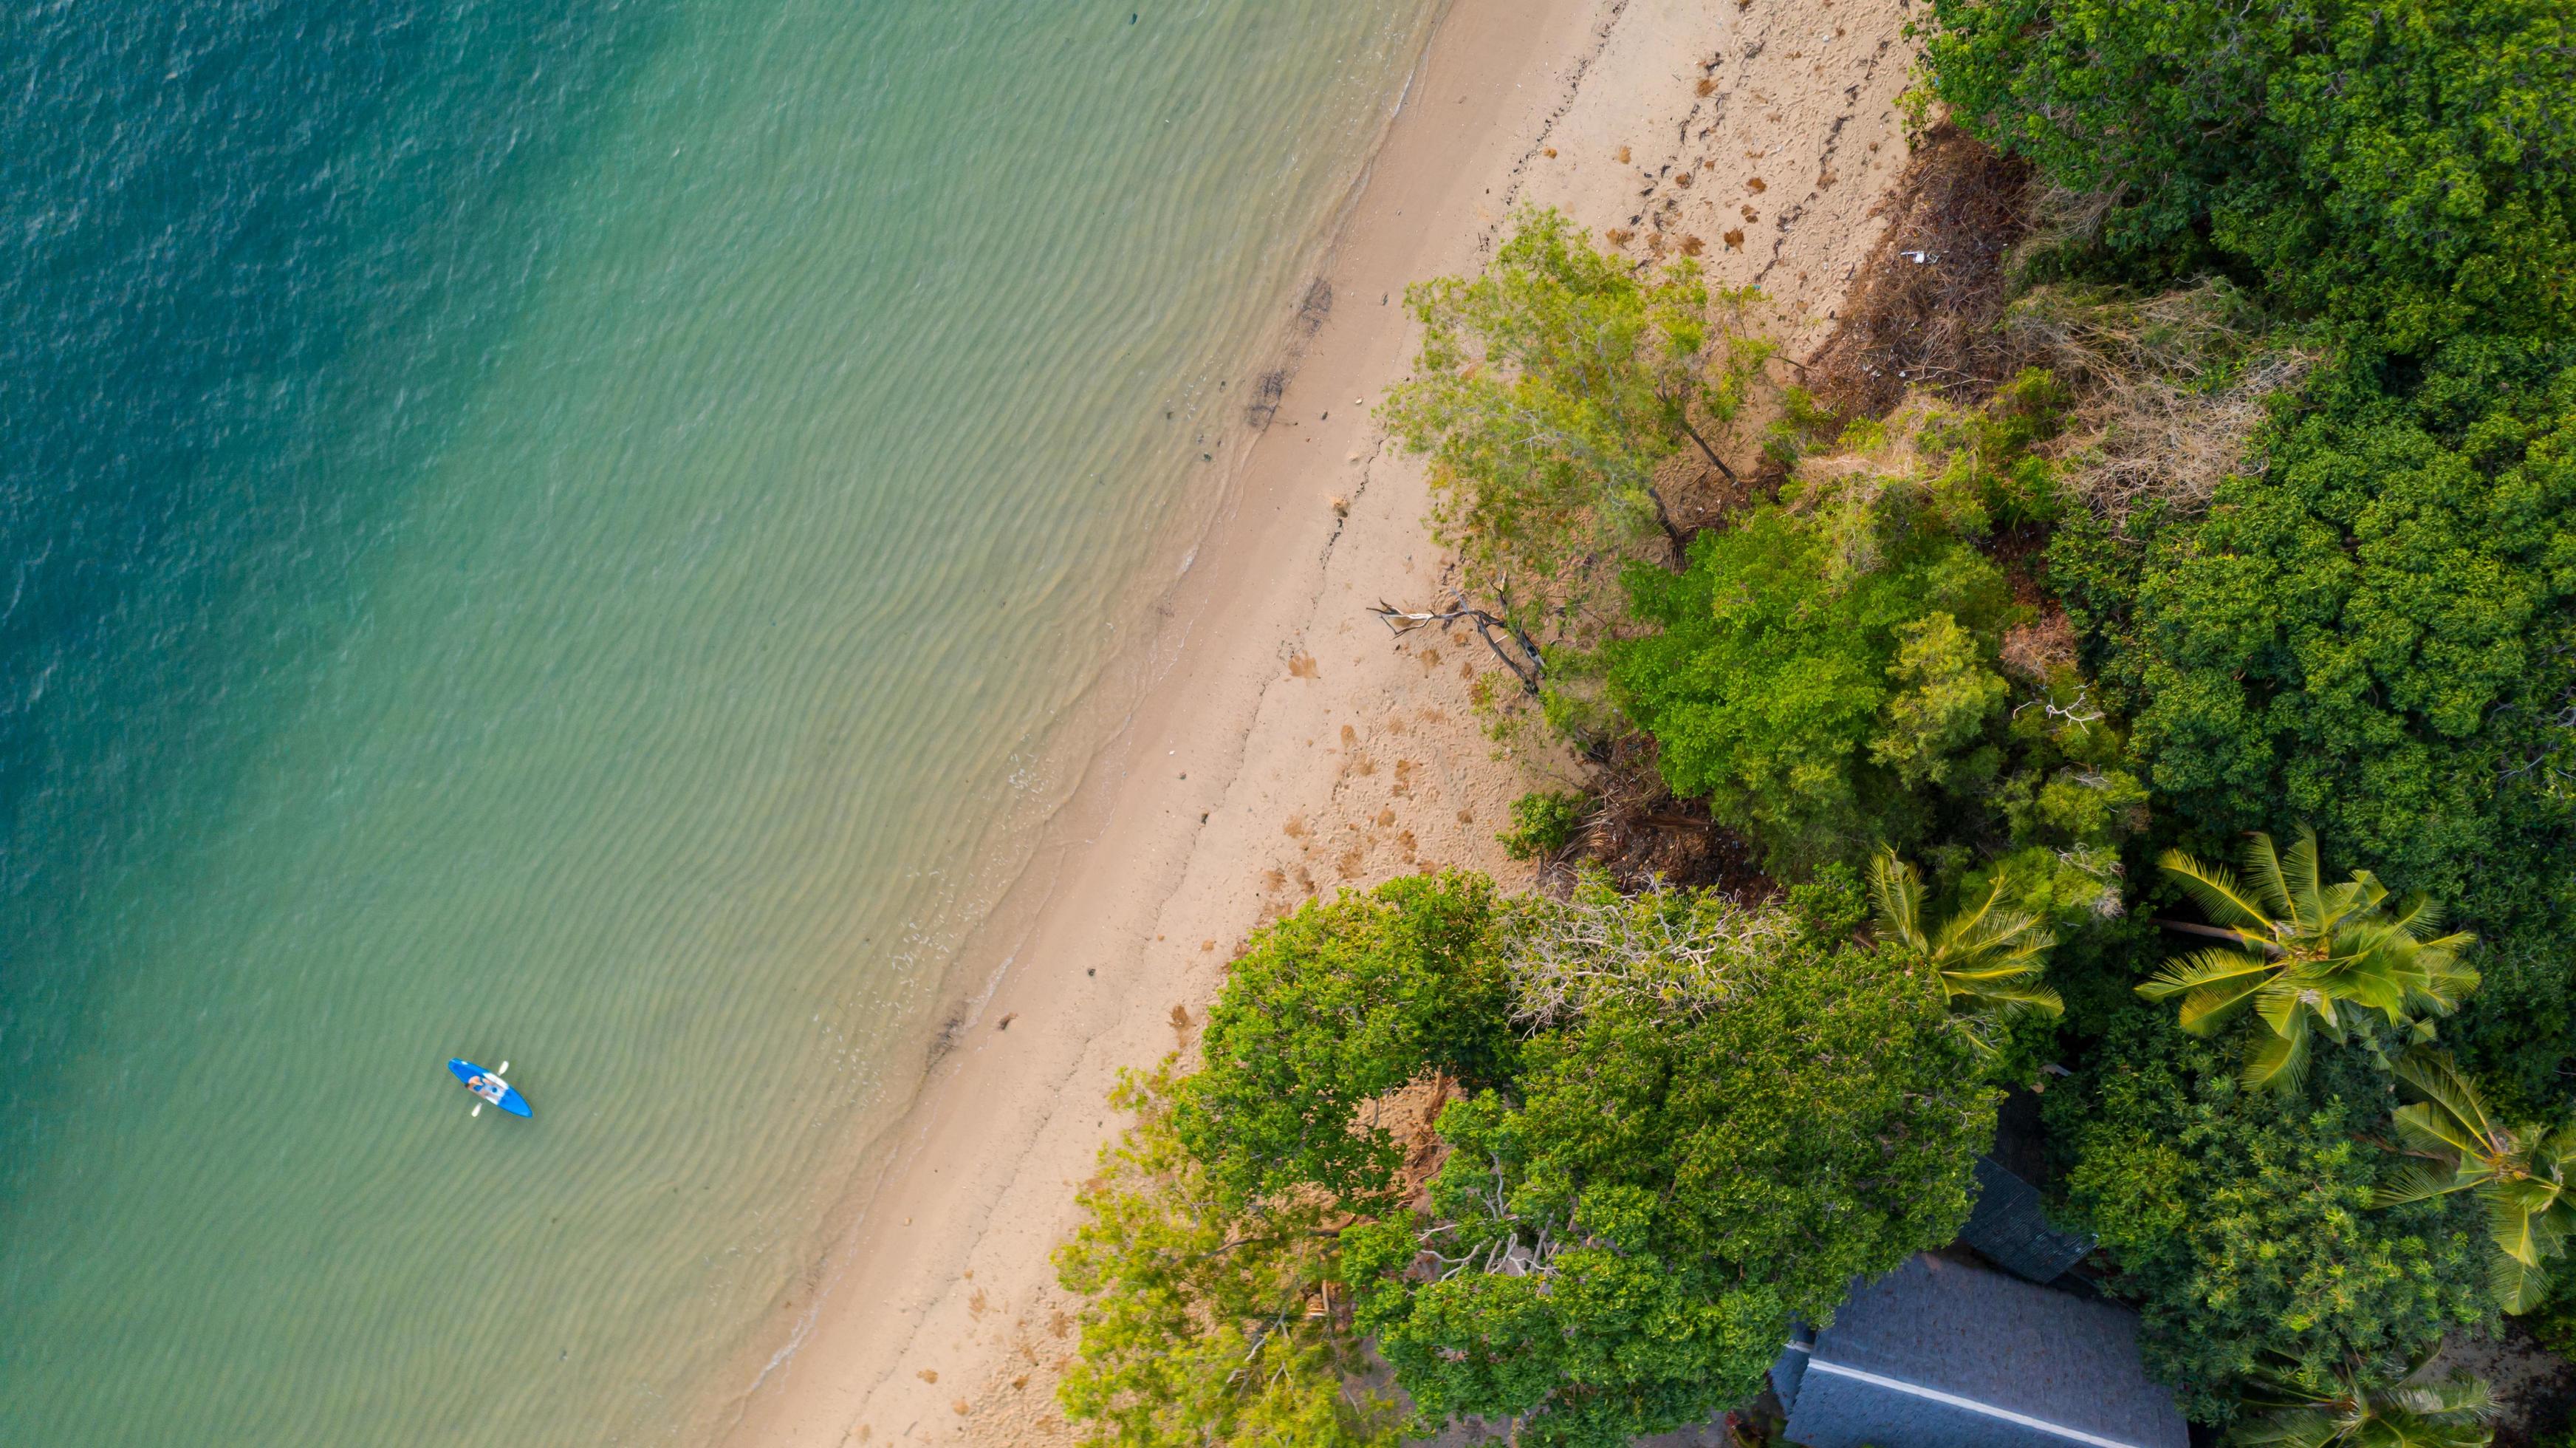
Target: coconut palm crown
column 2454, row 1412
column 2519, row 1173
column 1989, row 960
column 2307, row 956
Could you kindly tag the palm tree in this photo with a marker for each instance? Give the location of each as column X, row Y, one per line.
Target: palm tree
column 1989, row 960
column 2416, row 1413
column 2306, row 957
column 2518, row 1172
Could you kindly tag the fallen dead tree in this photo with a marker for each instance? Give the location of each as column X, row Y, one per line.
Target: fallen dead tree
column 1523, row 658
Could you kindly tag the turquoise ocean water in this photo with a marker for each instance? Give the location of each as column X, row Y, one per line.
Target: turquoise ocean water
column 581, row 531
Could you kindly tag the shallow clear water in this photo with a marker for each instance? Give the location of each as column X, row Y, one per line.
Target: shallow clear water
column 579, row 532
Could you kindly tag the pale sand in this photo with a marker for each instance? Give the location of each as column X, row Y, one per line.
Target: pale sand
column 1289, row 746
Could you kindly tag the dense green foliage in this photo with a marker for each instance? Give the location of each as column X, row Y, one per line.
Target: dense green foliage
column 2242, row 1220
column 1801, row 705
column 1197, row 1331
column 1826, row 672
column 2374, row 633
column 2366, row 629
column 2404, row 167
column 1676, row 1120
column 1709, row 1121
column 2375, row 636
column 1621, row 1250
column 1543, row 822
column 1337, row 1003
column 1548, row 392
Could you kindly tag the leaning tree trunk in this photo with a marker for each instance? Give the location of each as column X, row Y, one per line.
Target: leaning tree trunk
column 1672, row 531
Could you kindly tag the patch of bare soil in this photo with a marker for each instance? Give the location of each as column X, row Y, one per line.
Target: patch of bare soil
column 2533, row 1386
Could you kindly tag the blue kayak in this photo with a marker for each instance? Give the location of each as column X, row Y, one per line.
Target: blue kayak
column 490, row 1086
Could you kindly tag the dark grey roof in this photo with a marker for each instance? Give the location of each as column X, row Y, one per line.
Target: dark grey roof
column 2008, row 1228
column 1941, row 1354
column 1791, row 1369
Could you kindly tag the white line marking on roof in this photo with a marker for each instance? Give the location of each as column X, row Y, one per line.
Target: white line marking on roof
column 1898, row 1385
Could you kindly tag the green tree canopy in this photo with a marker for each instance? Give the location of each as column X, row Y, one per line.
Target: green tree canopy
column 1330, row 1006
column 1618, row 1246
column 2376, row 635
column 2406, row 167
column 1780, row 693
column 1550, row 389
column 1198, row 1328
column 2241, row 1220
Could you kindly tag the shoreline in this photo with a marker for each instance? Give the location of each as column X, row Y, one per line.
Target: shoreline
column 1283, row 744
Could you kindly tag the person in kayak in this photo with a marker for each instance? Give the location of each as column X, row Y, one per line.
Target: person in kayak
column 487, row 1087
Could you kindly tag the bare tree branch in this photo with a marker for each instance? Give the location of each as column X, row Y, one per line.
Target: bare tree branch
column 1529, row 667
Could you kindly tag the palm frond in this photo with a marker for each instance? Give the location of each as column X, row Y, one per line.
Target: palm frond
column 2342, row 1410
column 2518, row 1286
column 2219, row 894
column 2550, row 1224
column 2418, row 1183
column 1986, row 957
column 2460, row 1397
column 2465, row 1402
column 2509, row 1226
column 2362, row 892
column 2446, row 983
column 2417, row 914
column 2443, row 1085
column 2555, row 1155
column 2292, row 881
column 2292, row 1428
column 2013, row 999
column 1898, row 896
column 2277, row 1063
column 2213, row 982
column 2288, row 1005
column 2435, row 1131
column 2006, row 934
column 1966, row 979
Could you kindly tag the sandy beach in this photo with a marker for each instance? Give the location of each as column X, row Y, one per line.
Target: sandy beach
column 1288, row 745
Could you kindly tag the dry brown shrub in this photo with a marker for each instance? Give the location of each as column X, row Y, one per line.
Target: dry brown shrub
column 2169, row 390
column 1960, row 208
column 2038, row 650
column 1639, row 833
